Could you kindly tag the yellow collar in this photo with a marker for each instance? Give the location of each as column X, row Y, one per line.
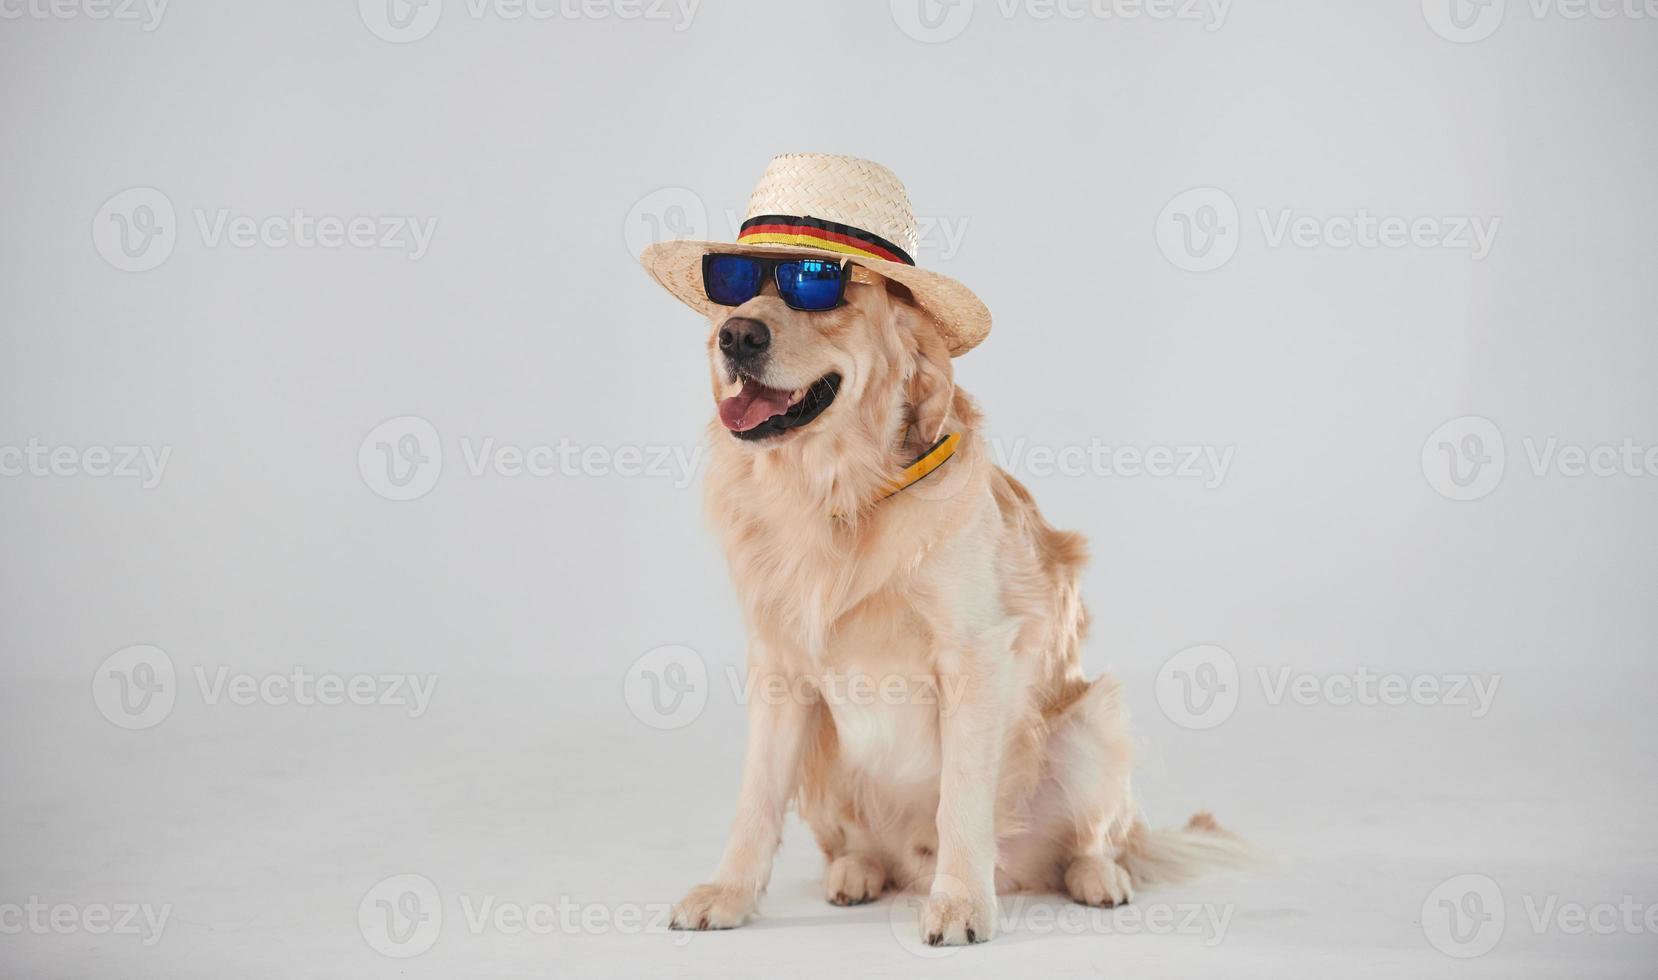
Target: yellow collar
column 917, row 471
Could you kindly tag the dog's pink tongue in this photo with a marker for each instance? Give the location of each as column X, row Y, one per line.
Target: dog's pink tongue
column 751, row 406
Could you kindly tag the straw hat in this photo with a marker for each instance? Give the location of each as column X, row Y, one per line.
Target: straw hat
column 817, row 203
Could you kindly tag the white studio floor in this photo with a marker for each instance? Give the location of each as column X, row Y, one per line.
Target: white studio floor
column 266, row 831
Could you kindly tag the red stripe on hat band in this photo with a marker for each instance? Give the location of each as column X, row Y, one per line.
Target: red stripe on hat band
column 824, row 234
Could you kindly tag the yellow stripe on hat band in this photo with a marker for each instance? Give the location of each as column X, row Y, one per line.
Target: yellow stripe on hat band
column 771, row 238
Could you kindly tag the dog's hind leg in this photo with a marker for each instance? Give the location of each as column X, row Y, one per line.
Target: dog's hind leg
column 1104, row 849
column 1082, row 812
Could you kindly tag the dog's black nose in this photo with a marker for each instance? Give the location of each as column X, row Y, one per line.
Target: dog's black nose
column 742, row 338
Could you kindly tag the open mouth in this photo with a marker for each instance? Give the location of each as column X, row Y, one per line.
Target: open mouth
column 758, row 412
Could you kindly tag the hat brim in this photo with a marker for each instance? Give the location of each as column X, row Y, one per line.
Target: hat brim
column 962, row 318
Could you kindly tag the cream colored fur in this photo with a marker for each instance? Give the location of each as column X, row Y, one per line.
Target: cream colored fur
column 995, row 765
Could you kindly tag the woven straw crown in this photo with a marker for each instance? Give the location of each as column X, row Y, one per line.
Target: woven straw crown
column 844, row 190
column 817, row 203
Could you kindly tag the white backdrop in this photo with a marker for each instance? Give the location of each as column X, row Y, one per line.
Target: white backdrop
column 328, row 377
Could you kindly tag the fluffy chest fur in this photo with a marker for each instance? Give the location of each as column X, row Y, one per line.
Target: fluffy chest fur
column 877, row 680
column 876, row 615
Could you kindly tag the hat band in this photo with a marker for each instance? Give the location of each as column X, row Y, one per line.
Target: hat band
column 788, row 229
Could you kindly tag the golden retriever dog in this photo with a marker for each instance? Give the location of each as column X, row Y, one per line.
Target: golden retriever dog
column 979, row 759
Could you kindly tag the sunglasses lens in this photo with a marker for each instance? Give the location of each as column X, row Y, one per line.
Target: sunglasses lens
column 810, row 284
column 732, row 280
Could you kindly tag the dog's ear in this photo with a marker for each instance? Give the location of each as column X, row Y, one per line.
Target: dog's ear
column 932, row 385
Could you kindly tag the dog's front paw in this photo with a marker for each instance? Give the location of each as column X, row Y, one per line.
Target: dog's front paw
column 1093, row 880
column 956, row 916
column 714, row 907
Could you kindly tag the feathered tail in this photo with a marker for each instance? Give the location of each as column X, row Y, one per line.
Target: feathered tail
column 1167, row 855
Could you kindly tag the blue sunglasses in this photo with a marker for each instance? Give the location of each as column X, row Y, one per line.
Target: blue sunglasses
column 808, row 285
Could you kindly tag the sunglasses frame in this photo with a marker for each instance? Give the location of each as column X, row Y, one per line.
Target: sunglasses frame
column 850, row 272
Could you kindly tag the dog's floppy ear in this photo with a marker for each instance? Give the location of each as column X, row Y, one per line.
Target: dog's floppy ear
column 932, row 385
